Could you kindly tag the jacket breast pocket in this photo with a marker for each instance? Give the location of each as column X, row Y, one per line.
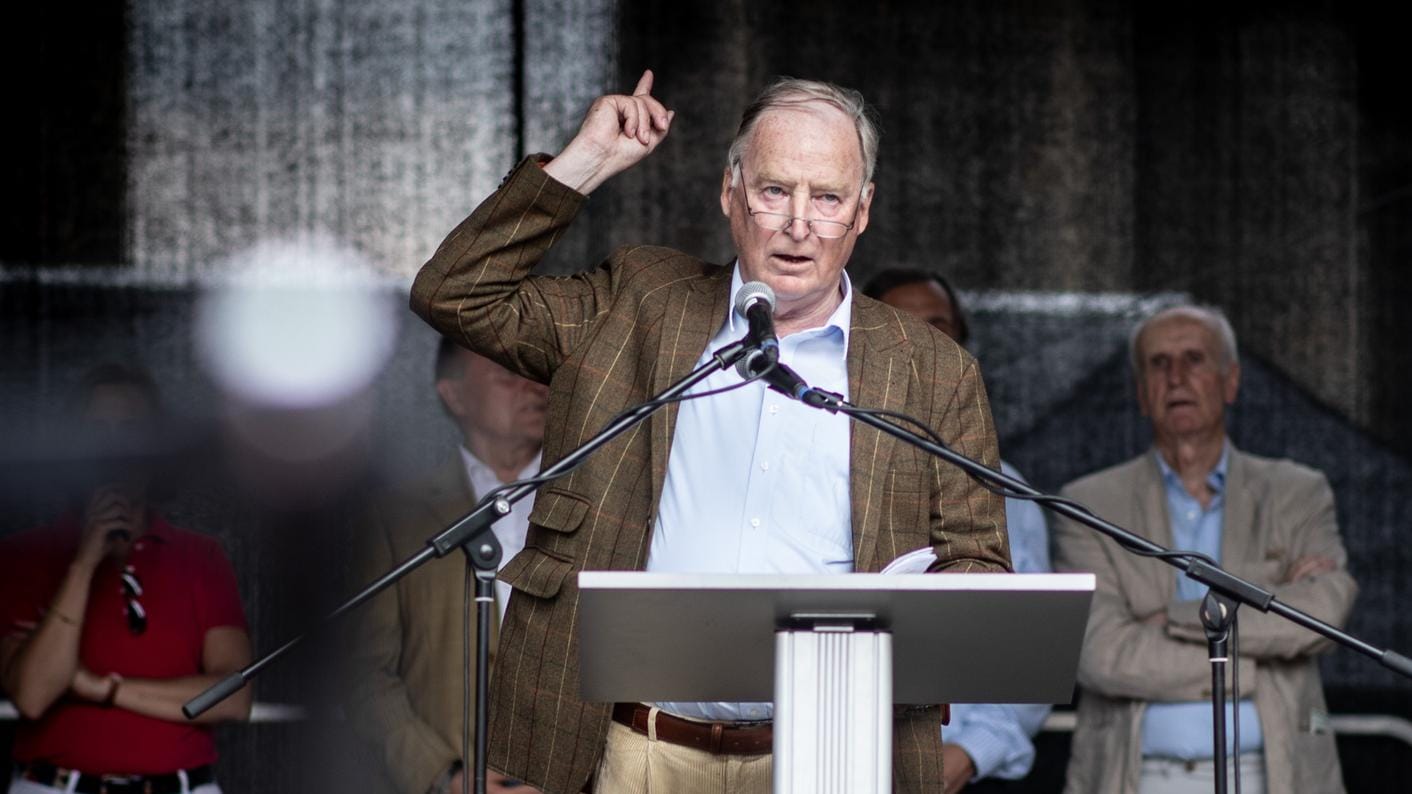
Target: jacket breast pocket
column 559, row 510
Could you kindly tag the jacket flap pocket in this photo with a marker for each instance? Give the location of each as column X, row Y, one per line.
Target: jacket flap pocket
column 559, row 510
column 536, row 572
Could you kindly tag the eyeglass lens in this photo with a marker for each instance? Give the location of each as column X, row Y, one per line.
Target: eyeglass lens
column 777, row 221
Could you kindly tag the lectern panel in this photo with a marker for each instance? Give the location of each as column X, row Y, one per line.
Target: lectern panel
column 957, row 638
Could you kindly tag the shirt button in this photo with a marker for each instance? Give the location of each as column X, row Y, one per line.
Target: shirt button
column 754, row 522
column 774, row 409
column 1191, row 515
column 765, row 466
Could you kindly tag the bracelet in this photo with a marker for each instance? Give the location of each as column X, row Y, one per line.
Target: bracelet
column 112, row 697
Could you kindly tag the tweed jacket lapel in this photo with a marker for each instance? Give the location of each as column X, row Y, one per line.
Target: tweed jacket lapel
column 879, row 372
column 695, row 311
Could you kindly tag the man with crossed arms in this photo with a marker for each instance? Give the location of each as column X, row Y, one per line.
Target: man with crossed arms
column 746, row 481
column 1144, row 717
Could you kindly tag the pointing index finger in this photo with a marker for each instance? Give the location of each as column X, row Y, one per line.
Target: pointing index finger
column 644, row 84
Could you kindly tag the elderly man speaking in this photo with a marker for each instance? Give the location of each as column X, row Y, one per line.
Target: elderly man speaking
column 744, row 481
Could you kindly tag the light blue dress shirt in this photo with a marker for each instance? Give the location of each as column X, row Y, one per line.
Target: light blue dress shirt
column 997, row 736
column 1183, row 730
column 756, row 482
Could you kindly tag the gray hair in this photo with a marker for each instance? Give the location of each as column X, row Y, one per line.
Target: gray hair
column 791, row 92
column 1213, row 318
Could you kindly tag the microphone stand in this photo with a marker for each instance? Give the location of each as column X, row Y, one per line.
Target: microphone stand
column 1226, row 590
column 472, row 533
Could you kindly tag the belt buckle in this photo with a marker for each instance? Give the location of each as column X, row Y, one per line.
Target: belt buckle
column 111, row 784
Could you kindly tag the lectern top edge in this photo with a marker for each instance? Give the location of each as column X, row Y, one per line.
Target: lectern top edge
column 636, row 580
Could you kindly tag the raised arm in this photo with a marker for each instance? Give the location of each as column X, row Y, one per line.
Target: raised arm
column 617, row 133
column 38, row 668
column 477, row 287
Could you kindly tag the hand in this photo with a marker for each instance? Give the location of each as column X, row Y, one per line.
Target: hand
column 1307, row 566
column 617, row 133
column 94, row 688
column 108, row 518
column 1158, row 618
column 957, row 769
column 495, row 783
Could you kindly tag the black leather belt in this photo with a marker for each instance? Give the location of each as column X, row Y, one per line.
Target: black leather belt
column 88, row 783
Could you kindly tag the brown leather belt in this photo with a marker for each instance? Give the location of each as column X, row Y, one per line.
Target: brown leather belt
column 721, row 738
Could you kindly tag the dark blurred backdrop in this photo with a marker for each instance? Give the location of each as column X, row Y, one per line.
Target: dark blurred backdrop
column 1069, row 164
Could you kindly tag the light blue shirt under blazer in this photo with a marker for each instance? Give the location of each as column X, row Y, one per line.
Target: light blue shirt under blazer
column 756, row 482
column 1183, row 730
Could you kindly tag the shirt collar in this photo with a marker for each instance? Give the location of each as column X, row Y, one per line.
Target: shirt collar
column 841, row 319
column 476, row 468
column 1216, row 480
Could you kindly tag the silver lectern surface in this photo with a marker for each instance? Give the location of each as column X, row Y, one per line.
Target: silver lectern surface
column 956, row 638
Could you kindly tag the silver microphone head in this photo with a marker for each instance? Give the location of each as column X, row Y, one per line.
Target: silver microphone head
column 752, row 293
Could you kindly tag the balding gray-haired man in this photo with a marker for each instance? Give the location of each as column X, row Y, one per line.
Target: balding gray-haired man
column 745, row 481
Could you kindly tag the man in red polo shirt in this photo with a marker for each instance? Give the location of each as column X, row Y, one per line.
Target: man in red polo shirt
column 112, row 618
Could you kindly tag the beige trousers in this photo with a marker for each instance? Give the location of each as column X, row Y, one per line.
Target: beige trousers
column 637, row 764
column 1164, row 776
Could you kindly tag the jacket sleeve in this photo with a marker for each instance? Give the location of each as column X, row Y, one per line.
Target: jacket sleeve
column 1327, row 596
column 380, row 709
column 968, row 521
column 1123, row 655
column 477, row 288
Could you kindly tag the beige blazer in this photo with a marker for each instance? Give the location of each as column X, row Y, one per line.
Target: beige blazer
column 607, row 339
column 406, row 657
column 1276, row 511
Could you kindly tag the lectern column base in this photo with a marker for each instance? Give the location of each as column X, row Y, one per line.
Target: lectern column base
column 833, row 711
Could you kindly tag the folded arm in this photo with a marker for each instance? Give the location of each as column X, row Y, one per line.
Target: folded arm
column 1314, row 580
column 1126, row 655
column 38, row 666
column 225, row 650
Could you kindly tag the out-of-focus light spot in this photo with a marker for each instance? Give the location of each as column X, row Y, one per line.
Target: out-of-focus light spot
column 296, row 324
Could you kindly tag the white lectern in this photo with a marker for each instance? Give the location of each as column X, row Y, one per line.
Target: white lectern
column 832, row 652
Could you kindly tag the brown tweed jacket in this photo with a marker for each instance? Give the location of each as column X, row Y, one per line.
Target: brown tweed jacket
column 610, row 338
